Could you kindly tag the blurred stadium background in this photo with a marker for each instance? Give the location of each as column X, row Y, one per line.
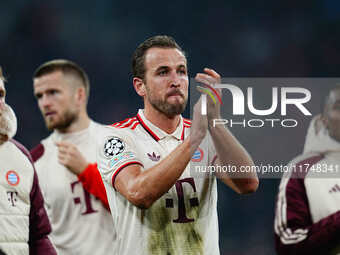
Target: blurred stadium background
column 236, row 38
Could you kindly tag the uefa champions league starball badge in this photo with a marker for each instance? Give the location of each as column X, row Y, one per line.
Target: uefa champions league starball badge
column 113, row 146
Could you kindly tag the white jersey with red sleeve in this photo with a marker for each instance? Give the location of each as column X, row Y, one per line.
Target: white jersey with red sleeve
column 80, row 223
column 184, row 220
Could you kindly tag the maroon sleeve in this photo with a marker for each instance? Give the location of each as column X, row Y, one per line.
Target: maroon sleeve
column 93, row 183
column 295, row 233
column 37, row 152
column 39, row 223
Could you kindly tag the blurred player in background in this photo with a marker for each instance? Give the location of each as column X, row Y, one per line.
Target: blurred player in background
column 24, row 226
column 158, row 205
column 80, row 222
column 307, row 219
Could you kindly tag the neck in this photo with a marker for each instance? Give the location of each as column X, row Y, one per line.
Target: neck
column 159, row 119
column 81, row 123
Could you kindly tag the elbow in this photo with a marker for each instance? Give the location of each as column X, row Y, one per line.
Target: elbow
column 249, row 186
column 139, row 195
column 141, row 200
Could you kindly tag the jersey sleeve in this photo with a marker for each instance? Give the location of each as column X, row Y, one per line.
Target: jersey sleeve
column 295, row 232
column 93, row 183
column 39, row 224
column 115, row 151
column 37, row 156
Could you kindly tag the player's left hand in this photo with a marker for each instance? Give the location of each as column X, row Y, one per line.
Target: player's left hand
column 210, row 78
column 71, row 157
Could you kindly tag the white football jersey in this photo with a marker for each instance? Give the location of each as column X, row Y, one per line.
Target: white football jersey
column 15, row 188
column 184, row 220
column 80, row 223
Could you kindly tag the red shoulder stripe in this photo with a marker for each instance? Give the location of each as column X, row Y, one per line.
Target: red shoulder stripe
column 135, row 125
column 119, row 123
column 128, row 124
column 124, row 122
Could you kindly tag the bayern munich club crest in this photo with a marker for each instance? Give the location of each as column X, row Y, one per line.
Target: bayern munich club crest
column 113, row 146
column 13, row 178
column 198, row 155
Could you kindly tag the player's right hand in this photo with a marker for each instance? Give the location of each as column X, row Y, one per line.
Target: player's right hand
column 71, row 157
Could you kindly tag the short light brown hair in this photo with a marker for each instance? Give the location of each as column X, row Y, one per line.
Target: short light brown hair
column 66, row 67
column 158, row 41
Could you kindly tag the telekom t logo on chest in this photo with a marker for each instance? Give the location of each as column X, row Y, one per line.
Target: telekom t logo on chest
column 239, row 99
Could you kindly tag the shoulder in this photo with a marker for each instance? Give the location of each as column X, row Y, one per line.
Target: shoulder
column 21, row 148
column 39, row 150
column 292, row 186
column 302, row 164
column 123, row 132
column 95, row 125
column 186, row 122
column 123, row 129
column 293, row 180
column 129, row 123
column 17, row 155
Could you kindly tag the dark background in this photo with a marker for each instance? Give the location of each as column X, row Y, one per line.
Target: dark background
column 236, row 38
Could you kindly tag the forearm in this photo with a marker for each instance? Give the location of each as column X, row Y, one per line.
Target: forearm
column 149, row 185
column 231, row 153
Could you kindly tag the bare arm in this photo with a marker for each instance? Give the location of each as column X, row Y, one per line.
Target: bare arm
column 229, row 151
column 143, row 188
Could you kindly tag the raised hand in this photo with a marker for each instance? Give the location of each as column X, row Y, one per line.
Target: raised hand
column 209, row 79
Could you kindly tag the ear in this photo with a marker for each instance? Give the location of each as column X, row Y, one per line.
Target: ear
column 139, row 86
column 80, row 95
